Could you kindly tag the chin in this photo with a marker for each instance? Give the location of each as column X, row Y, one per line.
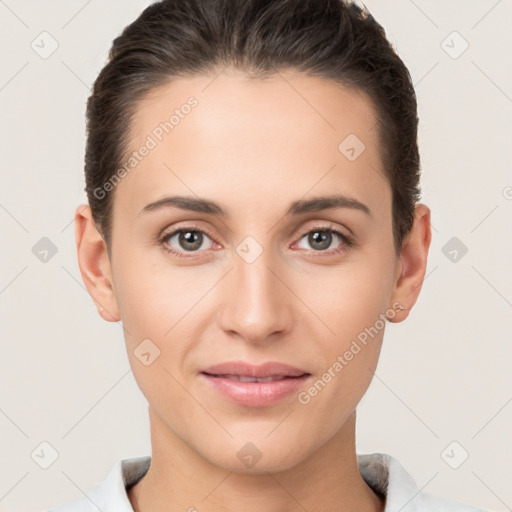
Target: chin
column 257, row 456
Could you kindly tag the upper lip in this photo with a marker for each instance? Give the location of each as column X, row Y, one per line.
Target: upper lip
column 269, row 369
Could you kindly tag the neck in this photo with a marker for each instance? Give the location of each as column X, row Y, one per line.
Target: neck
column 180, row 479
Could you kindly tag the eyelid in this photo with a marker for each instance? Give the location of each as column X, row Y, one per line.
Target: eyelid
column 187, row 226
column 328, row 226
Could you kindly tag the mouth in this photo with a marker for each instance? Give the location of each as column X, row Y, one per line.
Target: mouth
column 272, row 369
column 243, row 378
column 252, row 385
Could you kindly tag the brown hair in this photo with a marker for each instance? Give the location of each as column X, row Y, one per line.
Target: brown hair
column 330, row 39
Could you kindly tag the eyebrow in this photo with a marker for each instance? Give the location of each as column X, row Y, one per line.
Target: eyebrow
column 295, row 208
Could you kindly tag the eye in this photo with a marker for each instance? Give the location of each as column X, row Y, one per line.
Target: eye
column 183, row 240
column 322, row 238
column 191, row 239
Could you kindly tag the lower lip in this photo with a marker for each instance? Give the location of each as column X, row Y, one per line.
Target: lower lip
column 256, row 394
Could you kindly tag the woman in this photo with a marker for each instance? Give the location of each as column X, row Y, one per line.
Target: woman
column 253, row 174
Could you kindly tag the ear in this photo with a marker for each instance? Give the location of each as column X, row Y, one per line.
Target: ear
column 413, row 259
column 94, row 264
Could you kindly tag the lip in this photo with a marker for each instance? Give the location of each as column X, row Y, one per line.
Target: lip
column 243, row 369
column 289, row 379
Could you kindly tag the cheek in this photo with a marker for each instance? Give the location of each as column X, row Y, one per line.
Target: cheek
column 165, row 305
column 348, row 325
column 349, row 356
column 153, row 310
column 152, row 295
column 347, row 299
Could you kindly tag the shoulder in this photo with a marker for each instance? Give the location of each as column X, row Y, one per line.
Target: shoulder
column 429, row 502
column 109, row 495
column 387, row 477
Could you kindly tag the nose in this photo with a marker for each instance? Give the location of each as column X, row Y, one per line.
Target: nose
column 257, row 305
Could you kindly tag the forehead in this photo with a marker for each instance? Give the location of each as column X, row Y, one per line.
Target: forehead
column 283, row 135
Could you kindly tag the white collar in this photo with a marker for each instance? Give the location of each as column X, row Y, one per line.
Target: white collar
column 382, row 472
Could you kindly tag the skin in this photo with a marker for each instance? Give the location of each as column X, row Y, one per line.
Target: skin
column 253, row 147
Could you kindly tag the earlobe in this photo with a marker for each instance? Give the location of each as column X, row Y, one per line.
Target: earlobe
column 94, row 264
column 413, row 262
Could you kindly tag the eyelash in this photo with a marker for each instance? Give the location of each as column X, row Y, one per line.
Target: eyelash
column 348, row 241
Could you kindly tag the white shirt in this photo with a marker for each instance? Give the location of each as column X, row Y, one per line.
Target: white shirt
column 382, row 472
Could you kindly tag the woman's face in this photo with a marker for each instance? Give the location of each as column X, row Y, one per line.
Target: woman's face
column 264, row 281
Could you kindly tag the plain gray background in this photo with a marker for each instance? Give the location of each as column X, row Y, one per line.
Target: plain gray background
column 443, row 385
